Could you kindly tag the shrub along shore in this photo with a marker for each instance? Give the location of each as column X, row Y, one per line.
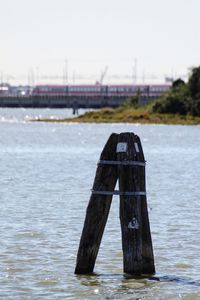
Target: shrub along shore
column 122, row 115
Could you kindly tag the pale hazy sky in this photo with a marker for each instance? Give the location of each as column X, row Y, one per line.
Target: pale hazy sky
column 157, row 36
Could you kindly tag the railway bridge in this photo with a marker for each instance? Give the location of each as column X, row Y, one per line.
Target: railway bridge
column 64, row 101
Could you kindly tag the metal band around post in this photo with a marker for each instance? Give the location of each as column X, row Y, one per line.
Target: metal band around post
column 122, row 162
column 110, row 193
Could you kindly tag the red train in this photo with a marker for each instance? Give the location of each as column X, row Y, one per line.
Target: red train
column 110, row 90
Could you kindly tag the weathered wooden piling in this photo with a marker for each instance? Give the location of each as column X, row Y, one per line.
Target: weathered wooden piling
column 123, row 158
column 97, row 210
column 136, row 236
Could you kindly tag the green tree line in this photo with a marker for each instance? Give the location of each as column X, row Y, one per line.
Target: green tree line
column 183, row 98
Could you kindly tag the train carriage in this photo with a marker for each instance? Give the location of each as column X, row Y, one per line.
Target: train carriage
column 97, row 90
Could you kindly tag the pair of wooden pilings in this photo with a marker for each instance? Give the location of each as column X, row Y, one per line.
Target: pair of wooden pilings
column 121, row 159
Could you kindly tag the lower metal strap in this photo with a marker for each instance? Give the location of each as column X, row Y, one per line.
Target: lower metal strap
column 110, row 193
column 122, row 162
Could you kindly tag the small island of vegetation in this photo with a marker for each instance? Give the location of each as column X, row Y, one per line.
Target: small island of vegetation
column 181, row 105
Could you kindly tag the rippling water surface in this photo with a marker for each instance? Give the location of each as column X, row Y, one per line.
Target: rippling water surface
column 47, row 171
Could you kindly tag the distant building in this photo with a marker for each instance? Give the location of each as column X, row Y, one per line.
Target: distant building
column 16, row 91
column 4, row 89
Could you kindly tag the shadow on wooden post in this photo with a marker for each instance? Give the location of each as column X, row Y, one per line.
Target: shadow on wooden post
column 123, row 158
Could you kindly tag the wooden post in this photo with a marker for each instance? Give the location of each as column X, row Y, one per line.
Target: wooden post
column 97, row 210
column 136, row 236
column 123, row 158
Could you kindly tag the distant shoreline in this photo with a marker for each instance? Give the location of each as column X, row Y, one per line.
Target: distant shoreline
column 132, row 116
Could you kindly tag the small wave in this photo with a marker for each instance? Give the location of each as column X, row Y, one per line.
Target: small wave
column 164, row 278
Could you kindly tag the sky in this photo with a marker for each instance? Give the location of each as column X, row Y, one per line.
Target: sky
column 77, row 40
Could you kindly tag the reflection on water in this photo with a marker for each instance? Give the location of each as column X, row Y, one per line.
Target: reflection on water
column 47, row 171
column 117, row 286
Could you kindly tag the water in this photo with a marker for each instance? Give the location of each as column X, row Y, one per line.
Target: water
column 23, row 114
column 47, row 171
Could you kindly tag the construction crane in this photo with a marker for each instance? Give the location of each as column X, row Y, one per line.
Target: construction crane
column 103, row 74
